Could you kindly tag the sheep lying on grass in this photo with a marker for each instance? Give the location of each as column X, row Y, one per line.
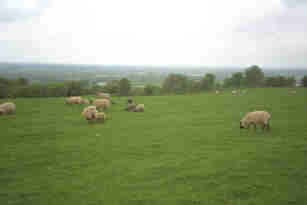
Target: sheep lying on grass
column 7, row 108
column 135, row 108
column 256, row 118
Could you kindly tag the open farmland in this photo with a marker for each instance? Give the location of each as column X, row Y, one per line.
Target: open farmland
column 181, row 150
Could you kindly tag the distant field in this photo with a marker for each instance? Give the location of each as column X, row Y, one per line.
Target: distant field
column 181, row 150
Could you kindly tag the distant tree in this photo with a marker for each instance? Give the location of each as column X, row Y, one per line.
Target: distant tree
column 124, row 87
column 254, row 76
column 227, row 82
column 194, row 85
column 152, row 90
column 207, row 83
column 175, row 83
column 304, row 81
column 4, row 87
column 291, row 81
column 280, row 81
column 74, row 88
column 137, row 91
column 22, row 81
column 237, row 79
column 149, row 90
column 112, row 87
column 218, row 85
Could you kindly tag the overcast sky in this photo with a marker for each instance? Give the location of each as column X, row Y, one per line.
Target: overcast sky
column 269, row 33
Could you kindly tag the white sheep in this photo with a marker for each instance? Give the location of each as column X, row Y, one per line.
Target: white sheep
column 139, row 108
column 73, row 100
column 102, row 103
column 100, row 116
column 85, row 102
column 7, row 108
column 256, row 118
column 234, row 92
column 89, row 113
column 293, row 92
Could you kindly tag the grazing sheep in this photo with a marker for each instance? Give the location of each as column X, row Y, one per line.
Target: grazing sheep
column 293, row 92
column 85, row 102
column 7, row 108
column 89, row 112
column 100, row 116
column 73, row 100
column 102, row 103
column 234, row 92
column 104, row 95
column 256, row 117
column 139, row 108
column 217, row 92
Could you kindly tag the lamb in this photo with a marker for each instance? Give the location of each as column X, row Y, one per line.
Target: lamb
column 7, row 108
column 139, row 108
column 73, row 100
column 256, row 117
column 89, row 113
column 102, row 103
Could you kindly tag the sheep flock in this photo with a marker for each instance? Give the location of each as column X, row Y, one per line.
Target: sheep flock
column 95, row 110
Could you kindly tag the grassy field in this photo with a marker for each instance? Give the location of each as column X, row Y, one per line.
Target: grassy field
column 181, row 150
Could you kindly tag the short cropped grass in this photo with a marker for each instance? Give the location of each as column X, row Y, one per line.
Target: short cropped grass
column 181, row 150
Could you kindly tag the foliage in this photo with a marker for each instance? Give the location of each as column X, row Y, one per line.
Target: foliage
column 254, row 76
column 175, row 83
column 152, row 90
column 280, row 81
column 304, row 81
column 124, row 87
column 112, row 87
column 236, row 80
column 207, row 83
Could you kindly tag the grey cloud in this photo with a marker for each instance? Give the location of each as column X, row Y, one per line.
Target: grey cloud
column 294, row 3
column 18, row 11
column 292, row 21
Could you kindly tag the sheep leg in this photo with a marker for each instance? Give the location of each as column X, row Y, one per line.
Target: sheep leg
column 268, row 127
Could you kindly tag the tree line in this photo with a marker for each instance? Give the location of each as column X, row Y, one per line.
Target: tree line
column 253, row 76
